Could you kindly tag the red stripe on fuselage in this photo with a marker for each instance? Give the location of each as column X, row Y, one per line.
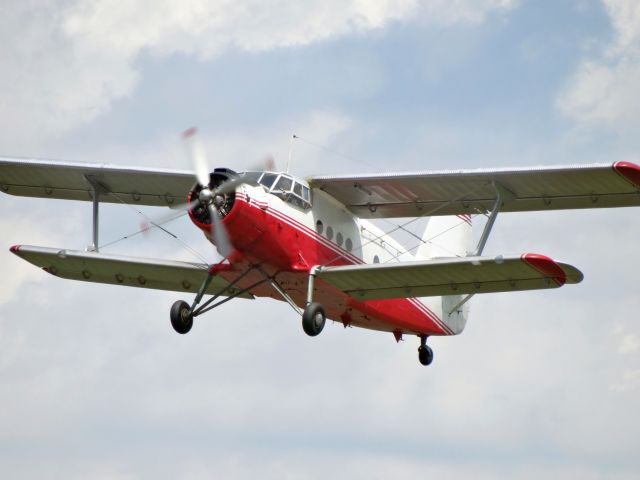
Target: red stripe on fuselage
column 284, row 240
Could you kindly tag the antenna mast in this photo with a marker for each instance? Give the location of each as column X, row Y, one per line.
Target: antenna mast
column 290, row 152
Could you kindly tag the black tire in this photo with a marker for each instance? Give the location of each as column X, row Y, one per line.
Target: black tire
column 425, row 355
column 181, row 319
column 313, row 319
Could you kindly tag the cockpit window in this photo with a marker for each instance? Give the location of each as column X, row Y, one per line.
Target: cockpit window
column 284, row 184
column 251, row 177
column 267, row 179
column 286, row 187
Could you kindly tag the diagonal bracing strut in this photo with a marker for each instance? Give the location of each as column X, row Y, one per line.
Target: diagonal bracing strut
column 502, row 195
column 207, row 306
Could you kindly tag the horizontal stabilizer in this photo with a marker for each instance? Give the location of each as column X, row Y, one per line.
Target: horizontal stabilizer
column 450, row 276
column 120, row 270
column 70, row 181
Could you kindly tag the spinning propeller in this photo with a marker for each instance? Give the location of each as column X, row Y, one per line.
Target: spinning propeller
column 213, row 198
column 209, row 198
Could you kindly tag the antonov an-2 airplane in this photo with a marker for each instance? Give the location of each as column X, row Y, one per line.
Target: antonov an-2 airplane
column 309, row 242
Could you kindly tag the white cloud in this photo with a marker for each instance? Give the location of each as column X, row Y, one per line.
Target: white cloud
column 65, row 63
column 17, row 228
column 625, row 17
column 630, row 381
column 604, row 91
column 629, row 343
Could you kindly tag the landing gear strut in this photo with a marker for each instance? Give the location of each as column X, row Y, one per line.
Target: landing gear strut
column 313, row 316
column 182, row 313
column 425, row 354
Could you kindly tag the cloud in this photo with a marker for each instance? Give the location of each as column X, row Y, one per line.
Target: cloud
column 17, row 228
column 630, row 381
column 64, row 64
column 603, row 91
column 629, row 343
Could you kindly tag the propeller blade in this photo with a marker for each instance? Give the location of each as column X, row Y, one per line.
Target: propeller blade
column 229, row 186
column 220, row 235
column 269, row 163
column 197, row 156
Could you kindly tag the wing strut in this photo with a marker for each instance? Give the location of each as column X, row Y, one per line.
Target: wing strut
column 96, row 189
column 502, row 195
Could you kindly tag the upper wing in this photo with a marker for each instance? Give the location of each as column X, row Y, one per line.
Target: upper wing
column 70, row 181
column 119, row 270
column 459, row 192
column 450, row 276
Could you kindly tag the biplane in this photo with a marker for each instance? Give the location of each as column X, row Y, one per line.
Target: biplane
column 314, row 242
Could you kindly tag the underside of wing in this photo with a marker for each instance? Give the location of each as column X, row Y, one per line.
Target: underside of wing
column 120, row 270
column 76, row 181
column 460, row 192
column 450, row 276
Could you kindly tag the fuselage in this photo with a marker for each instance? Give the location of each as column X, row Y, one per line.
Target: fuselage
column 285, row 235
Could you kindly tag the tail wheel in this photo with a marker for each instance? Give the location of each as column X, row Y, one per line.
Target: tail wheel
column 313, row 319
column 181, row 317
column 425, row 354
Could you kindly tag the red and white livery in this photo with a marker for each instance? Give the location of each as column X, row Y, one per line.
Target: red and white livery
column 311, row 242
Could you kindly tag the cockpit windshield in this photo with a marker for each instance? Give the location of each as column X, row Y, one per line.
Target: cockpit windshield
column 285, row 186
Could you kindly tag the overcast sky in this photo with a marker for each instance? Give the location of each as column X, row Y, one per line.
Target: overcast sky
column 95, row 383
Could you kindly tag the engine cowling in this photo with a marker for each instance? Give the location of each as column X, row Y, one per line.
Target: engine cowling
column 223, row 202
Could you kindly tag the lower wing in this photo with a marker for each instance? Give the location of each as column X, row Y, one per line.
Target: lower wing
column 450, row 276
column 120, row 270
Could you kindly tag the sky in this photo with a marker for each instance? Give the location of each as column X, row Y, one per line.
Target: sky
column 95, row 383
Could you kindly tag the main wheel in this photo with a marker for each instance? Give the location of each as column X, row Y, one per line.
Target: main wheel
column 313, row 319
column 181, row 318
column 425, row 355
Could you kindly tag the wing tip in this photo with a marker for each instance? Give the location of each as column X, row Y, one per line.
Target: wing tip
column 547, row 266
column 629, row 171
column 14, row 249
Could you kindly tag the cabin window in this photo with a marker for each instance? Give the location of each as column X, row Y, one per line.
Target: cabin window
column 319, row 227
column 330, row 233
column 349, row 244
column 305, row 194
column 339, row 239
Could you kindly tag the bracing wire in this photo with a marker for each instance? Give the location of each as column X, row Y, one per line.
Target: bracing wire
column 427, row 213
column 155, row 225
column 396, row 227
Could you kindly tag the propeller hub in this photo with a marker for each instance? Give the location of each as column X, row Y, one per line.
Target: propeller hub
column 205, row 196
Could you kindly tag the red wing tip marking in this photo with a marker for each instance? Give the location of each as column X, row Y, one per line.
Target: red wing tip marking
column 189, row 132
column 546, row 266
column 14, row 249
column 630, row 171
